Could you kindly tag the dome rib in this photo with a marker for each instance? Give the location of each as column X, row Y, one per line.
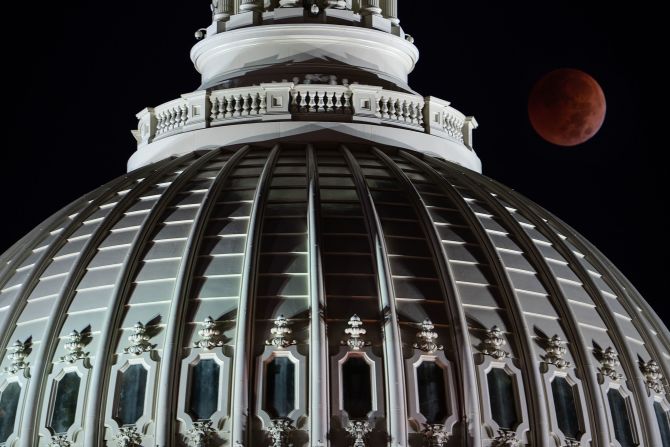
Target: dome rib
column 577, row 343
column 614, row 328
column 538, row 418
column 318, row 233
column 319, row 403
column 8, row 317
column 395, row 384
column 100, row 376
column 617, row 279
column 633, row 373
column 468, row 406
column 175, row 322
column 240, row 413
column 50, row 338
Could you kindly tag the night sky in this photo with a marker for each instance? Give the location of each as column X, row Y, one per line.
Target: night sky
column 71, row 100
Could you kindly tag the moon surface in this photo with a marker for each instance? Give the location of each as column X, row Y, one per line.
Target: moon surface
column 566, row 107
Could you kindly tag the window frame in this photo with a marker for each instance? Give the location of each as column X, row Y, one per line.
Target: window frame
column 291, row 352
column 552, row 372
column 490, row 427
column 633, row 417
column 124, row 362
column 416, row 418
column 185, row 377
column 20, row 379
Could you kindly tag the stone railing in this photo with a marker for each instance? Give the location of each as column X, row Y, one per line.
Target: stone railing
column 306, row 102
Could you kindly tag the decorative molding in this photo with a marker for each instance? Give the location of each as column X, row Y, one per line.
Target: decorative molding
column 18, row 354
column 652, row 376
column 59, row 441
column 609, row 360
column 128, row 437
column 279, row 431
column 355, row 332
column 75, row 347
column 494, row 343
column 556, row 351
column 139, row 340
column 200, row 434
column 426, row 338
column 506, row 438
column 358, row 430
column 210, row 336
column 308, row 100
column 281, row 334
column 572, row 443
column 436, row 435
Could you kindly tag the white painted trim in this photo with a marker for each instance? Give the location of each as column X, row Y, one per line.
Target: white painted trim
column 240, row 50
column 304, row 132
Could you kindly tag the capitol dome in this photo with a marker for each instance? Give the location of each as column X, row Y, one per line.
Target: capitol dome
column 306, row 259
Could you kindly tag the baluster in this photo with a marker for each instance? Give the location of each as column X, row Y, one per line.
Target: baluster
column 329, row 101
column 393, row 110
column 230, row 104
column 254, row 103
column 222, row 107
column 215, row 108
column 246, row 110
column 319, row 100
column 412, row 113
column 347, row 99
column 184, row 115
column 303, row 101
column 312, row 102
column 261, row 103
column 337, row 104
column 384, row 108
column 419, row 114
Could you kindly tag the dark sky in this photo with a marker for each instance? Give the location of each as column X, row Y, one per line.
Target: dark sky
column 72, row 96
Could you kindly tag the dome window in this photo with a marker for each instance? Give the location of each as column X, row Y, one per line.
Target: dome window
column 131, row 390
column 9, row 402
column 279, row 398
column 503, row 398
column 621, row 416
column 204, row 391
column 663, row 423
column 356, row 388
column 566, row 409
column 65, row 406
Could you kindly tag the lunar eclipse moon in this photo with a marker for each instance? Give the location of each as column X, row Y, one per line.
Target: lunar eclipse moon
column 566, row 107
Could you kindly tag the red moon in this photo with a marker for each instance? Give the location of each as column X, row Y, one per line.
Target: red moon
column 566, row 107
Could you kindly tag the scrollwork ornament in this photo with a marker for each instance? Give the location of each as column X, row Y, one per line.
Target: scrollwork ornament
column 75, row 348
column 281, row 334
column 279, row 431
column 652, row 376
column 556, row 351
column 210, row 335
column 494, row 344
column 426, row 338
column 17, row 357
column 128, row 437
column 572, row 443
column 355, row 333
column 436, row 435
column 358, row 431
column 59, row 441
column 609, row 360
column 200, row 434
column 506, row 438
column 139, row 340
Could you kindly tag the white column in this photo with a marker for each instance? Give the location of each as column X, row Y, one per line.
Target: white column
column 370, row 8
column 391, row 11
column 223, row 9
column 248, row 5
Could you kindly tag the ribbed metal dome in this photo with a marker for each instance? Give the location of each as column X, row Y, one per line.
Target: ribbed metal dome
column 482, row 318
